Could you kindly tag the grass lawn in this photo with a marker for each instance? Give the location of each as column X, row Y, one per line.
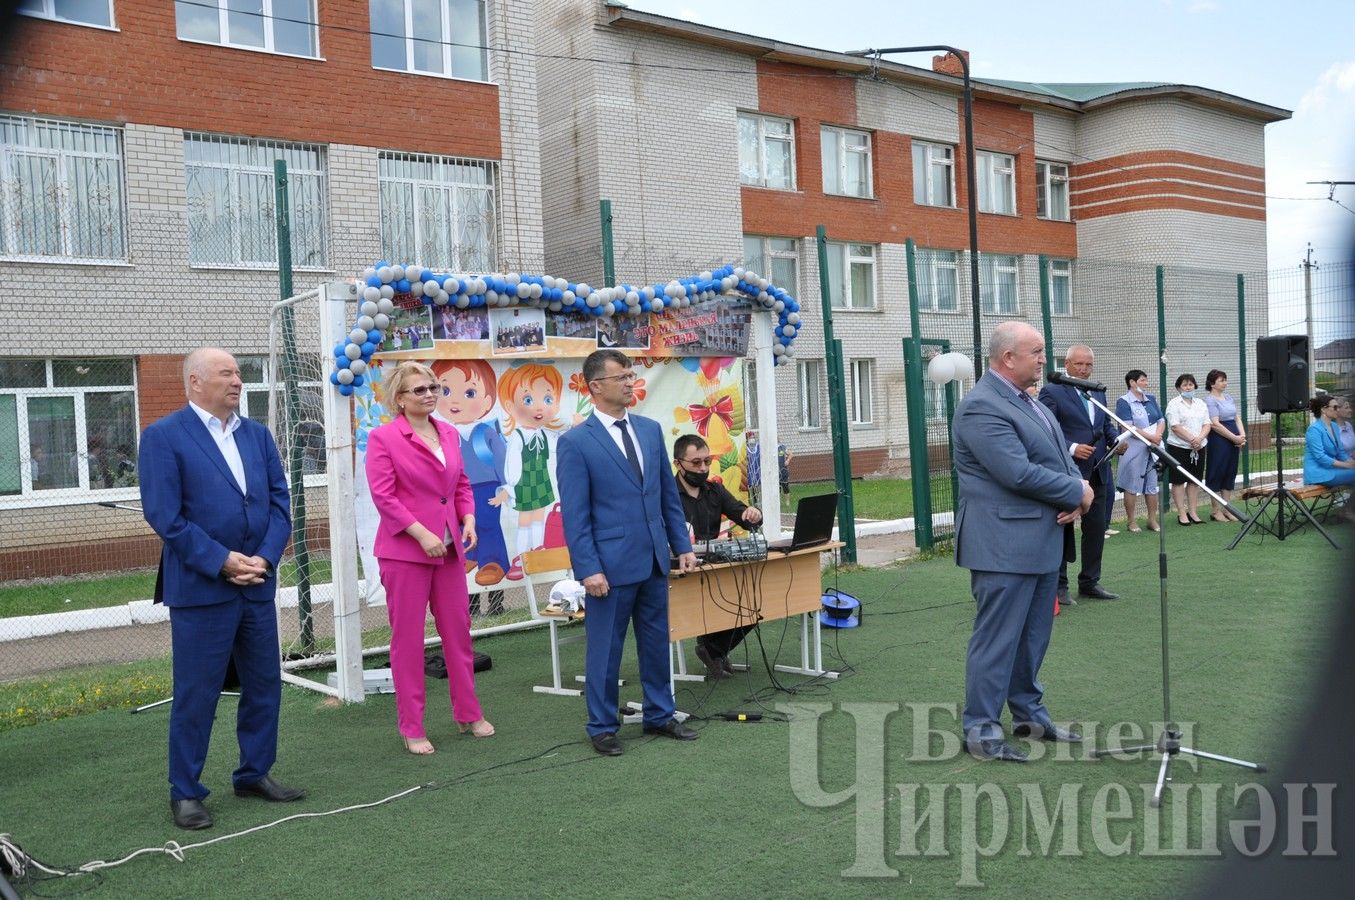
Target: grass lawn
column 783, row 806
column 877, row 498
column 113, row 590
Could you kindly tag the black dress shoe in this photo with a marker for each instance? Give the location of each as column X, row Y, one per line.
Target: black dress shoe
column 1064, row 599
column 606, row 743
column 269, row 790
column 674, row 729
column 994, row 749
column 715, row 667
column 190, row 815
column 1046, row 732
column 1096, row 592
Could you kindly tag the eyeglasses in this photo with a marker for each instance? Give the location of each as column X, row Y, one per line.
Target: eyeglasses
column 423, row 390
column 701, row 462
column 624, row 376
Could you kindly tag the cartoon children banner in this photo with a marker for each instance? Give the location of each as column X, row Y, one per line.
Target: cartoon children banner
column 511, row 404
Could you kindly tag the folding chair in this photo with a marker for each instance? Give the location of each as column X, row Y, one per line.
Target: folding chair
column 540, row 570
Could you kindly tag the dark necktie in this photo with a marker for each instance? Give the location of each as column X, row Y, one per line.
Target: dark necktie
column 1035, row 411
column 631, row 456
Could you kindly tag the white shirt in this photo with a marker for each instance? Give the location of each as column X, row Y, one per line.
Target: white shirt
column 615, row 432
column 1194, row 415
column 225, row 441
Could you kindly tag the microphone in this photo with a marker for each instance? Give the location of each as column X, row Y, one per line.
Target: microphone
column 1082, row 383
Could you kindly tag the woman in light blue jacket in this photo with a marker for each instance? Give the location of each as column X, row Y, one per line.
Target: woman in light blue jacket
column 1325, row 461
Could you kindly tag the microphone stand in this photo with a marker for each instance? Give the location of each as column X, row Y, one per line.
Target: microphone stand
column 1169, row 742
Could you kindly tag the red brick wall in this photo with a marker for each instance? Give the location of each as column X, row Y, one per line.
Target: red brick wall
column 819, row 466
column 1168, row 179
column 159, row 386
column 813, row 97
column 143, row 73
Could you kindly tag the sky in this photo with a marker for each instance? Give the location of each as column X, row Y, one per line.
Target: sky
column 1296, row 56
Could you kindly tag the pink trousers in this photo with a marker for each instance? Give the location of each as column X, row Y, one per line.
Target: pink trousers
column 411, row 590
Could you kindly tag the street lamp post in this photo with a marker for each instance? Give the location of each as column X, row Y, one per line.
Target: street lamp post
column 969, row 173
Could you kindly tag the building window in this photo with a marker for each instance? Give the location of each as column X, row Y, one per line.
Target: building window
column 774, row 258
column 766, row 151
column 274, row 26
column 77, row 12
column 438, row 212
column 933, row 174
column 1051, row 190
column 61, row 191
column 938, row 280
column 430, row 37
column 863, row 391
column 67, row 425
column 997, row 284
column 851, row 275
column 934, row 400
column 309, row 430
column 846, row 162
column 1061, row 287
column 810, row 381
column 230, row 202
column 997, row 182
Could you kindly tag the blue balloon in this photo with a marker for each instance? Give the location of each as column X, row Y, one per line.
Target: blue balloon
column 425, row 275
column 644, row 306
column 343, row 363
column 357, row 381
column 374, row 336
column 334, row 377
column 368, row 348
column 338, row 351
column 380, row 263
column 402, row 286
column 373, row 281
column 346, row 390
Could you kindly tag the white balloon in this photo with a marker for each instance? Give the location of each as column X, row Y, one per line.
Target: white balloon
column 416, row 289
column 941, row 370
column 397, row 272
column 371, row 294
column 462, row 301
column 788, row 330
column 583, row 290
column 778, row 349
column 442, row 298
column 366, row 324
column 513, row 278
column 353, row 351
column 382, row 321
column 556, row 306
column 358, row 335
column 387, row 292
column 368, row 272
column 369, row 308
column 567, row 296
column 357, row 367
column 793, row 318
column 705, row 276
column 385, row 273
column 656, row 304
column 964, row 367
column 523, row 289
column 535, row 291
column 492, row 297
column 345, row 376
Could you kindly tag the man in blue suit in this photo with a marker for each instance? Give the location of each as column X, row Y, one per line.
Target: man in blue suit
column 212, row 488
column 1091, row 441
column 623, row 523
column 1018, row 488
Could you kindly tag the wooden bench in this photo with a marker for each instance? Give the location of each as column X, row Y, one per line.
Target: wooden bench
column 1319, row 499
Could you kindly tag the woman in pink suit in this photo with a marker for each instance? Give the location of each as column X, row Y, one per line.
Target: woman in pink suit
column 427, row 513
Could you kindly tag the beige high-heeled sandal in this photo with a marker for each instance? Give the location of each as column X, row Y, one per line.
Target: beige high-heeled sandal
column 479, row 728
column 418, row 746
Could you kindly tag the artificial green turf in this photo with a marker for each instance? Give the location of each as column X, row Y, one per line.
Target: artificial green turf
column 534, row 812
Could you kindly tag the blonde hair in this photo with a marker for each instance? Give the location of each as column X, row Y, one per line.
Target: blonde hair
column 515, row 379
column 394, row 384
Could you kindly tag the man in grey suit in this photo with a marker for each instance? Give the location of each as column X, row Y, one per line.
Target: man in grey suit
column 1018, row 488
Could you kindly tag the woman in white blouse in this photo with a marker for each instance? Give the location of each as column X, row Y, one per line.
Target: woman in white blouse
column 1188, row 429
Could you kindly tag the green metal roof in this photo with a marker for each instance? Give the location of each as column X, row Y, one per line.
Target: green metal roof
column 1078, row 93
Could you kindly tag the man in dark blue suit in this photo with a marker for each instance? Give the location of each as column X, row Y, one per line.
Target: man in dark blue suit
column 623, row 523
column 212, row 488
column 1091, row 442
column 1018, row 488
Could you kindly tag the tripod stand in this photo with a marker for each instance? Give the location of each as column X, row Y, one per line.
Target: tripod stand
column 1282, row 498
column 1169, row 743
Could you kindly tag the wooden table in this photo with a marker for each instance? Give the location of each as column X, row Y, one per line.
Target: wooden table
column 720, row 596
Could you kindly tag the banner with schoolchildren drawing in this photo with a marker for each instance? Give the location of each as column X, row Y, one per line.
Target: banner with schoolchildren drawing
column 510, row 409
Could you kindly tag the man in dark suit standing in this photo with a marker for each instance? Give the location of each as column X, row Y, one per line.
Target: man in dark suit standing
column 623, row 522
column 1091, row 441
column 212, row 488
column 1017, row 490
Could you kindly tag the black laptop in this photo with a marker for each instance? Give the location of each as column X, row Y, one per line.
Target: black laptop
column 813, row 523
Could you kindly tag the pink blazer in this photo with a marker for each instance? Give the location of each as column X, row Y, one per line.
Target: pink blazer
column 408, row 484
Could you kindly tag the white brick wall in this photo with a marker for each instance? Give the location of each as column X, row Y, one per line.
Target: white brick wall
column 913, row 110
column 1166, row 123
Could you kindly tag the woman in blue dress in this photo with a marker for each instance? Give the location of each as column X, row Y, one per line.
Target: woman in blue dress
column 1325, row 461
column 1137, row 473
column 1226, row 439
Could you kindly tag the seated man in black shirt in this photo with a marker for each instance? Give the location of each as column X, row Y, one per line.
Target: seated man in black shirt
column 704, row 502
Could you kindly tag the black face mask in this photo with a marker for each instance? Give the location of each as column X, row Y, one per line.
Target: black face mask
column 695, row 479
